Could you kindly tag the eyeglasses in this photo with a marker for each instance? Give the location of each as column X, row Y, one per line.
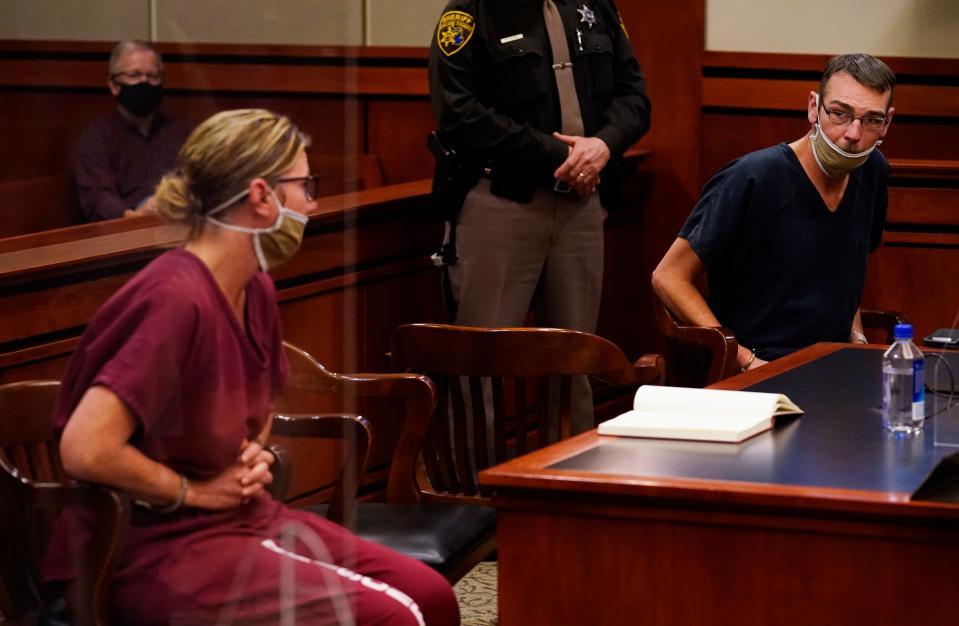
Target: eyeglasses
column 310, row 184
column 136, row 76
column 840, row 117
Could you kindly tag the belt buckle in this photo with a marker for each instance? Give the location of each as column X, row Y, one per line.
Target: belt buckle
column 561, row 186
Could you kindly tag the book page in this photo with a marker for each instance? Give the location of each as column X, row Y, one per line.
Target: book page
column 699, row 426
column 678, row 400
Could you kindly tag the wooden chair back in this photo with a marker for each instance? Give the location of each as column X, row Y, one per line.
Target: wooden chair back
column 493, row 386
column 34, row 489
column 398, row 408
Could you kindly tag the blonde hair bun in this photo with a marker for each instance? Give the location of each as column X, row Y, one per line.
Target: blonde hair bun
column 220, row 158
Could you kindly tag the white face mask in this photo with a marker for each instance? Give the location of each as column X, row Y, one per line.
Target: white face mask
column 831, row 159
column 274, row 244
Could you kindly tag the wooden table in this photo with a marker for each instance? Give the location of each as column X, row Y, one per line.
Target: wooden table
column 810, row 523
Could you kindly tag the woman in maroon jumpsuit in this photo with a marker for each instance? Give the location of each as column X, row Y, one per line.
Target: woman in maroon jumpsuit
column 167, row 398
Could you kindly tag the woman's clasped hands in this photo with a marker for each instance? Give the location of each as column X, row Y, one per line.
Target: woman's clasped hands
column 235, row 485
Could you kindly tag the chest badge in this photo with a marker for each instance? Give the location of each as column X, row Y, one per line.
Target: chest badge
column 586, row 16
column 454, row 31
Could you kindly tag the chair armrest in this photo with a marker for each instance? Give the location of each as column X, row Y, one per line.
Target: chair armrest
column 650, row 369
column 718, row 340
column 107, row 539
column 721, row 344
column 111, row 510
column 884, row 321
column 354, row 431
column 415, row 393
column 282, row 471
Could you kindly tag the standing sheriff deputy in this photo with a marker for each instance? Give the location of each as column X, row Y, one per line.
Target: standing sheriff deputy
column 535, row 102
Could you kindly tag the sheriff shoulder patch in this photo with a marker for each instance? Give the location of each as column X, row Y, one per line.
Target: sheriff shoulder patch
column 454, row 31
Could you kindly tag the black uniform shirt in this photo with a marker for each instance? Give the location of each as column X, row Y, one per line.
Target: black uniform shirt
column 493, row 87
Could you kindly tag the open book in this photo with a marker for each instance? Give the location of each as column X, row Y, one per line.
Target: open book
column 701, row 414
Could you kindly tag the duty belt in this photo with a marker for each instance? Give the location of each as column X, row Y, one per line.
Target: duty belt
column 555, row 184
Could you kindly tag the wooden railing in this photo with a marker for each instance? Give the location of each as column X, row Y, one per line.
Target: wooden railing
column 358, row 247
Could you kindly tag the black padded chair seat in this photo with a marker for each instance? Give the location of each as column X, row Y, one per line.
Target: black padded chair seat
column 434, row 534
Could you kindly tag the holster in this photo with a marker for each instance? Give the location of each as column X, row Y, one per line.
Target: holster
column 452, row 180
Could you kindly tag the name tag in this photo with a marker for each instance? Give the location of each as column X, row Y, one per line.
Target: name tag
column 511, row 38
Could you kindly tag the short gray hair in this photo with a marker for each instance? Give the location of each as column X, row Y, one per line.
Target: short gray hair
column 128, row 46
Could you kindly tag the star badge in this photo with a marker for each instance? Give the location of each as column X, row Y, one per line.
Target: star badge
column 454, row 31
column 586, row 16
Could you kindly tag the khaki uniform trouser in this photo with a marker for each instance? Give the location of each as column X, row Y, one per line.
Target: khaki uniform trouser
column 508, row 250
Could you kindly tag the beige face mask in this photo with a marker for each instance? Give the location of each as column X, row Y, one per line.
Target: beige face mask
column 275, row 244
column 831, row 159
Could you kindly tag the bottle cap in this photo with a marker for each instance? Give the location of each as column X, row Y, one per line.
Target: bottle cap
column 902, row 331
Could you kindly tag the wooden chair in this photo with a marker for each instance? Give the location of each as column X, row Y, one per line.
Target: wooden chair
column 518, row 363
column 353, row 434
column 451, row 539
column 34, row 489
column 720, row 343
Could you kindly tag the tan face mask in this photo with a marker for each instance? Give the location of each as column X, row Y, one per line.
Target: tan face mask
column 831, row 159
column 275, row 244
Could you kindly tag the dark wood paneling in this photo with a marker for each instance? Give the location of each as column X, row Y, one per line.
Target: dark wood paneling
column 52, row 203
column 396, row 132
column 813, row 63
column 710, row 568
column 53, row 90
column 214, row 67
column 916, row 273
column 45, row 126
column 730, row 134
column 664, row 189
column 754, row 100
column 779, row 94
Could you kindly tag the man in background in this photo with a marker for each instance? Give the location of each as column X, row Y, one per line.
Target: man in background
column 121, row 157
column 785, row 232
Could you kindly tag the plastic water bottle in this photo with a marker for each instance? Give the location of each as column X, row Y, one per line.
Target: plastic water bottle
column 903, row 384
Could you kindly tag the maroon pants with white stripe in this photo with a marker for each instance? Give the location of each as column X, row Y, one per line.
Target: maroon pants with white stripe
column 296, row 569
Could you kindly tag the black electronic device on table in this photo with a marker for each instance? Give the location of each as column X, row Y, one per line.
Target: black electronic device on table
column 943, row 338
